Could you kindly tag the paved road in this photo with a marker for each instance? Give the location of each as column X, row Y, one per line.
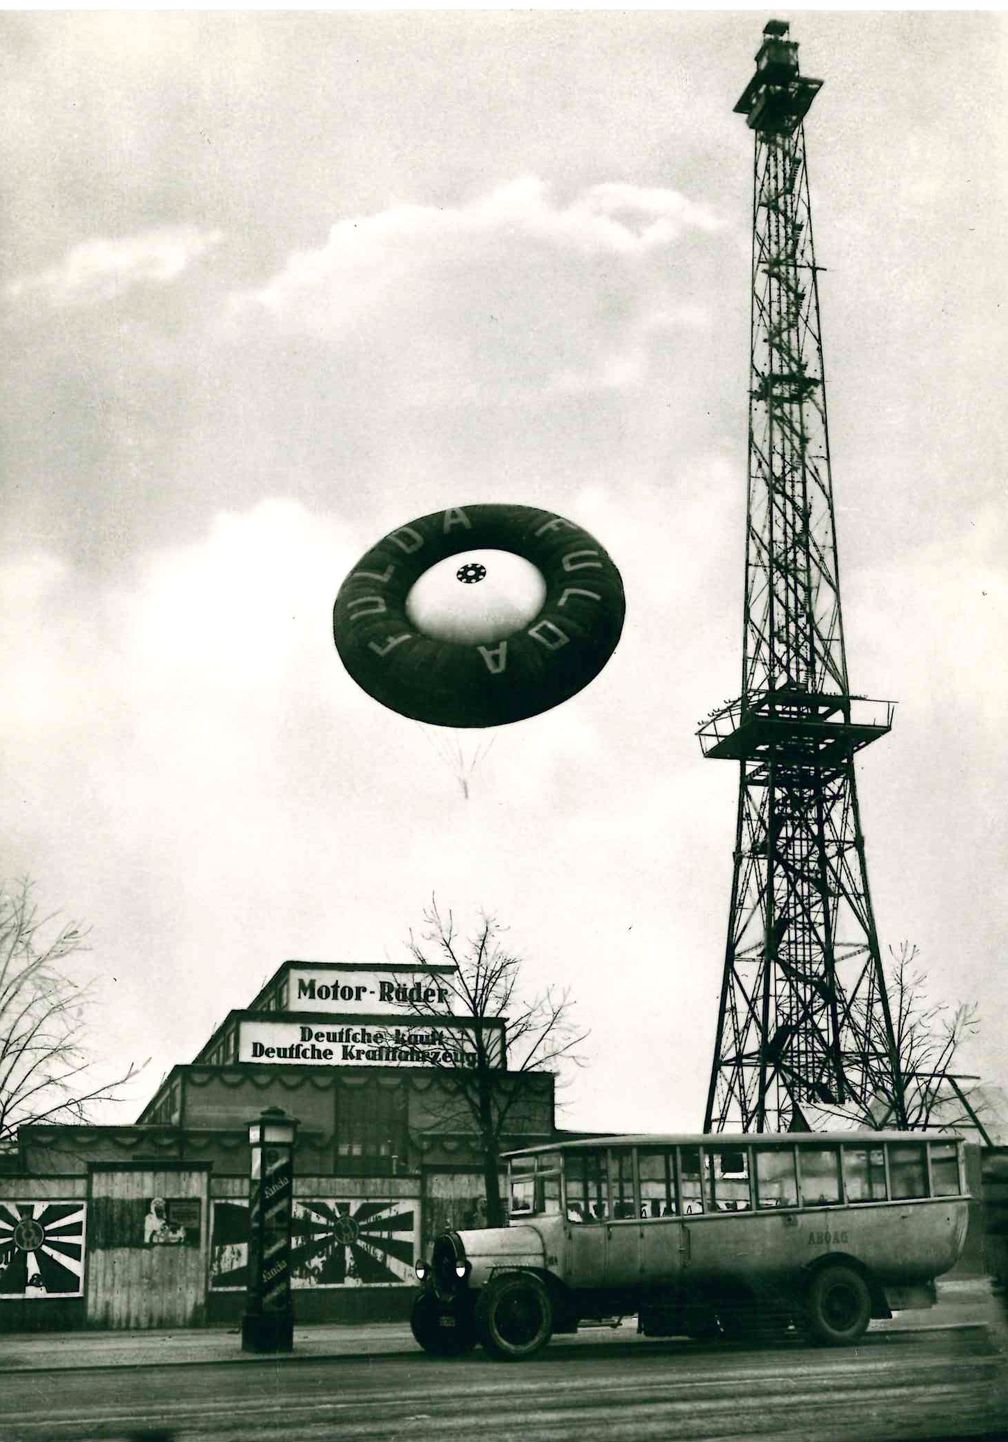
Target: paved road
column 939, row 1384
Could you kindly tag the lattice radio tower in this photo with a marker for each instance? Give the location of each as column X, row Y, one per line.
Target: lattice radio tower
column 804, row 1036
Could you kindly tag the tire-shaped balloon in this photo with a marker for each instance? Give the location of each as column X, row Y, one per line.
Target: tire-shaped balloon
column 523, row 662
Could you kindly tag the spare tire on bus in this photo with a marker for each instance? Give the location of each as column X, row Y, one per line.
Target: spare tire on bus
column 838, row 1305
column 514, row 1316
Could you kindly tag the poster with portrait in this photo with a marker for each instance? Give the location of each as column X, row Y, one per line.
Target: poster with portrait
column 172, row 1222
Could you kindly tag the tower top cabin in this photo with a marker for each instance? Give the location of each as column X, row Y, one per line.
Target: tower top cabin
column 777, row 98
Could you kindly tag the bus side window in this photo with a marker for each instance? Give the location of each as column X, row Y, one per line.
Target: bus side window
column 864, row 1171
column 728, row 1179
column 587, row 1186
column 576, row 1184
column 657, row 1184
column 776, row 1183
column 690, row 1180
column 550, row 1184
column 624, row 1205
column 944, row 1169
column 819, row 1169
column 907, row 1170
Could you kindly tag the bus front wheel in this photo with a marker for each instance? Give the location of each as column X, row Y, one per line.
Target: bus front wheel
column 514, row 1316
column 838, row 1305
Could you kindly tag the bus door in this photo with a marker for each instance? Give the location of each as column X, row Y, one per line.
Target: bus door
column 586, row 1199
column 623, row 1229
column 665, row 1211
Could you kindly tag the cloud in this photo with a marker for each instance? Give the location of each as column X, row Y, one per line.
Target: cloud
column 365, row 253
column 236, row 609
column 104, row 268
column 28, row 579
column 960, row 614
column 508, row 292
column 626, row 367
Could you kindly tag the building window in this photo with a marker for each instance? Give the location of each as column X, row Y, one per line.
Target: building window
column 370, row 1129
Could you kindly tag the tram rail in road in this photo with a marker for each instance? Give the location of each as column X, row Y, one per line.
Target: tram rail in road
column 893, row 1387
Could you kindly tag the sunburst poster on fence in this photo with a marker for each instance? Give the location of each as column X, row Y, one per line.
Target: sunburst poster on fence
column 334, row 1243
column 41, row 1249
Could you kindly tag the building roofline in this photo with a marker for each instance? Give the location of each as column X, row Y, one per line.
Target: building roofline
column 391, row 967
column 295, row 1072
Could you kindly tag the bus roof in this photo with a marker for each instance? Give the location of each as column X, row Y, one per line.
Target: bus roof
column 730, row 1139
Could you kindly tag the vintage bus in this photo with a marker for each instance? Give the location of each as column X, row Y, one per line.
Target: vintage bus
column 701, row 1236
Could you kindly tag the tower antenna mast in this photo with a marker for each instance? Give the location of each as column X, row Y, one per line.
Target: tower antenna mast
column 804, row 1035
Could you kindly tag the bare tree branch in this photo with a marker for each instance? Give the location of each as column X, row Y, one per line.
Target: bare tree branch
column 526, row 1033
column 46, row 1071
column 929, row 1036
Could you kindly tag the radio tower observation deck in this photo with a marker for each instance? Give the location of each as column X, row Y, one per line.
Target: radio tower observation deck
column 804, row 1034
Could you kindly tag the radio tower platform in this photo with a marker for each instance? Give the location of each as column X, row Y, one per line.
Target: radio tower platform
column 804, row 1034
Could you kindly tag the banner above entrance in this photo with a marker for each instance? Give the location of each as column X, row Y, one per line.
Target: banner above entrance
column 372, row 1043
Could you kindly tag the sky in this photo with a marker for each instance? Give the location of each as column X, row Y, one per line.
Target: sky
column 273, row 284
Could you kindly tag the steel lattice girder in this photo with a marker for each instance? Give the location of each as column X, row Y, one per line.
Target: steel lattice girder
column 802, row 953
column 804, row 1029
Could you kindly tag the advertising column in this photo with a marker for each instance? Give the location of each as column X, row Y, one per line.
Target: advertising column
column 268, row 1323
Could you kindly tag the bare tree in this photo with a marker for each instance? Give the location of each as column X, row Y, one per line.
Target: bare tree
column 929, row 1036
column 46, row 1071
column 505, row 1025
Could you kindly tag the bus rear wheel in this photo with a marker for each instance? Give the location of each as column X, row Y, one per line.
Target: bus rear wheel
column 838, row 1305
column 440, row 1333
column 514, row 1316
